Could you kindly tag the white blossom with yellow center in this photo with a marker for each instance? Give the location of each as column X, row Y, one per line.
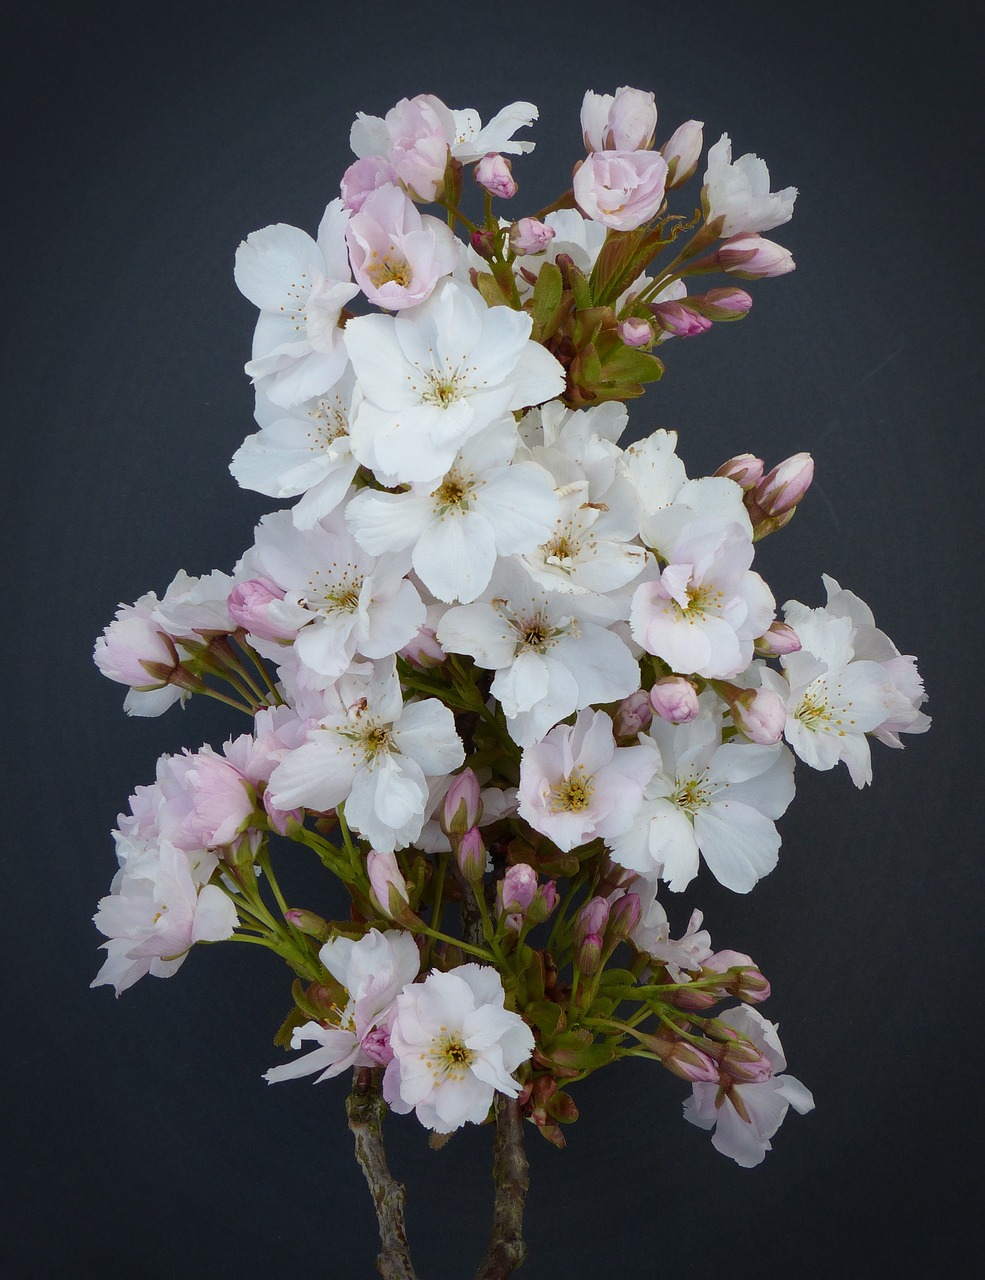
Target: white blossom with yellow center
column 455, row 1046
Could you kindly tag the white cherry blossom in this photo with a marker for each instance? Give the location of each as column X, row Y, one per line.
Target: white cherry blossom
column 342, row 600
column 455, row 1046
column 373, row 969
column 484, row 506
column 577, row 784
column 374, row 754
column 739, row 192
column 435, row 375
column 746, row 1116
column 549, row 655
column 302, row 450
column 300, row 286
column 717, row 799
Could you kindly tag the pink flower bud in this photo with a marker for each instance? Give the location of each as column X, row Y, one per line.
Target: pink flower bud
column 635, row 332
column 624, row 916
column 387, row 883
column 752, row 257
column 471, row 855
column 779, row 639
column 131, row 642
column 678, row 320
column 741, row 974
column 462, row 805
column 745, row 469
column 632, row 715
column 588, row 954
column 515, row 893
column 591, row 919
column 484, row 243
column 527, row 235
column 621, row 189
column 727, row 303
column 760, row 715
column 249, row 607
column 424, row 651
column 688, row 1062
column 375, row 1045
column 682, row 151
column 783, row 488
column 493, row 172
column 308, row 922
column 674, row 699
column 692, row 999
column 745, row 1063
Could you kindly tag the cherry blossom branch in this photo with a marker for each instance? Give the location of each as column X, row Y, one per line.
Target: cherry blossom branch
column 511, row 1178
column 365, row 1108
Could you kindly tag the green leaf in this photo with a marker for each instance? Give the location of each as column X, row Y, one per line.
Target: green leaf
column 574, row 1051
column 630, row 364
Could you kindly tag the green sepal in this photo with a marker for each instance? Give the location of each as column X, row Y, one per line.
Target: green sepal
column 617, row 978
column 488, row 287
column 547, row 305
column 561, row 1106
column 630, row 364
column 296, row 1018
column 573, row 1052
column 545, row 1015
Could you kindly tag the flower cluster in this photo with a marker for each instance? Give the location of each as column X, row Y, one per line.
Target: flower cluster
column 493, row 657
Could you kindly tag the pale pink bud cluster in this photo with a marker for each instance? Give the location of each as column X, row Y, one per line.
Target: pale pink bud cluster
column 529, row 235
column 674, row 699
column 520, row 898
column 494, row 173
column 741, row 976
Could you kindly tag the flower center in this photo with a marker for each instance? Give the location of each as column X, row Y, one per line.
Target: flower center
column 700, row 600
column 690, row 795
column 377, row 738
column 442, row 389
column 450, row 1056
column 297, row 298
column 391, row 269
column 453, row 493
column 337, row 595
column 572, row 794
column 813, row 711
column 329, row 423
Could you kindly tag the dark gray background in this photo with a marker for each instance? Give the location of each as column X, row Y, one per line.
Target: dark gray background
column 144, row 143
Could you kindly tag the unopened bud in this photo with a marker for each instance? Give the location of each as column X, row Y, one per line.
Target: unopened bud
column 759, row 714
column 588, row 954
column 783, row 488
column 744, row 1063
column 692, row 999
column 678, row 320
column 424, row 651
column 462, row 805
column 624, row 916
column 741, row 976
column 632, row 715
column 682, row 151
column 778, row 639
column 635, row 332
column 529, row 235
column 483, row 242
column 745, row 469
column 387, row 883
column 674, row 699
column 308, row 922
column 471, row 855
column 517, row 889
column 727, row 303
column 752, row 257
column 493, row 172
column 591, row 919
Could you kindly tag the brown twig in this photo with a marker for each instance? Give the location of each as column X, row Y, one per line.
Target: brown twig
column 365, row 1108
column 506, row 1250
